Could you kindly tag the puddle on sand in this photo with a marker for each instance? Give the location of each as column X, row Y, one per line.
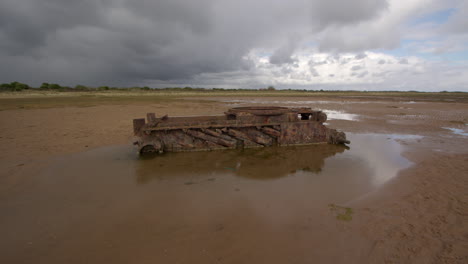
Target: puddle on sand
column 457, row 131
column 108, row 205
column 340, row 115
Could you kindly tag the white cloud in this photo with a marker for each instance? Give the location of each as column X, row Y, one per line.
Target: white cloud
column 375, row 71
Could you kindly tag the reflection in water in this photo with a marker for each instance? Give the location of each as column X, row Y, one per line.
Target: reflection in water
column 264, row 163
column 196, row 207
column 381, row 153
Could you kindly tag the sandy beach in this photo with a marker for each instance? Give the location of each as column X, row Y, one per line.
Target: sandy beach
column 419, row 216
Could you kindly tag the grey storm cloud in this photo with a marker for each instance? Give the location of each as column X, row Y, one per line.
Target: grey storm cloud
column 284, row 53
column 360, row 56
column 123, row 42
column 314, row 72
column 403, row 61
column 313, row 63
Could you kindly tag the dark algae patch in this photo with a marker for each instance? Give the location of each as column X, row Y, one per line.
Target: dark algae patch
column 342, row 213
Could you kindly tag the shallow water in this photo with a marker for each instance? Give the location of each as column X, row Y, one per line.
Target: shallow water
column 457, row 131
column 109, row 205
column 340, row 115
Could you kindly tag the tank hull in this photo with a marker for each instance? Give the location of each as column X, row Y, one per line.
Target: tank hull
column 248, row 127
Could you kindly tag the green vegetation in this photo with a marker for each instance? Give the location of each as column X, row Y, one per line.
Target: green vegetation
column 103, row 88
column 270, row 90
column 44, row 86
column 80, row 87
column 14, row 86
column 342, row 213
column 55, row 86
column 19, row 95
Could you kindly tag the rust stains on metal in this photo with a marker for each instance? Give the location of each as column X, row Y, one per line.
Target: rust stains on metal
column 240, row 127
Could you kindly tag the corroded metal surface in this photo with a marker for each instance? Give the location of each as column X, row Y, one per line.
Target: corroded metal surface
column 241, row 127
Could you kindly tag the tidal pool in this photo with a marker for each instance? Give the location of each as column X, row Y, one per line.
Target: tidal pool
column 340, row 115
column 109, row 205
column 457, row 131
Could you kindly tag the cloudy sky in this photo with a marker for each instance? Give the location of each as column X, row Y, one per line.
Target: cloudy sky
column 300, row 44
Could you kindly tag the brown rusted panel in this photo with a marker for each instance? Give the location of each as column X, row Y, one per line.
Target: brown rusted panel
column 151, row 117
column 321, row 117
column 259, row 137
column 302, row 133
column 138, row 125
column 270, row 131
column 217, row 133
column 238, row 128
column 216, row 140
column 239, row 135
column 259, row 110
column 213, row 146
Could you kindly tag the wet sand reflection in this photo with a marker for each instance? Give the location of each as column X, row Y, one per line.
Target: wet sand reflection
column 258, row 205
column 260, row 164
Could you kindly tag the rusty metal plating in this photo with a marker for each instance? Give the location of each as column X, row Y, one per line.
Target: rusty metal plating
column 240, row 127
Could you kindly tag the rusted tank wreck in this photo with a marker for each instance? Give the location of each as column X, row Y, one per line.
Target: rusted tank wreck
column 240, row 127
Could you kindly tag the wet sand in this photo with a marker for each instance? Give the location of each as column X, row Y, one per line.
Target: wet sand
column 419, row 216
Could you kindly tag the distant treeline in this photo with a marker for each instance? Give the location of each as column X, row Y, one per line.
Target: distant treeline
column 17, row 86
column 14, row 86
